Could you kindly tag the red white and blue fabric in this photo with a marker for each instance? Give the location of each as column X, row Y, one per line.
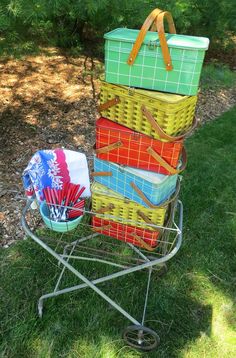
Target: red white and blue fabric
column 53, row 168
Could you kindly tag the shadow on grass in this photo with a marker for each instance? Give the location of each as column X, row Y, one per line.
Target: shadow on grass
column 200, row 278
column 82, row 324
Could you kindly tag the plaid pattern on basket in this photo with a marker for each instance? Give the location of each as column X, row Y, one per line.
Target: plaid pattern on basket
column 155, row 60
column 112, row 206
column 140, row 237
column 146, row 188
column 121, row 145
column 149, row 71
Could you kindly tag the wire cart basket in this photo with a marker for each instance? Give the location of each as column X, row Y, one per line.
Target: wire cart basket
column 86, row 244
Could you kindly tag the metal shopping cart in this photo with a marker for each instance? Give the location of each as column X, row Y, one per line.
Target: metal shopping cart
column 85, row 243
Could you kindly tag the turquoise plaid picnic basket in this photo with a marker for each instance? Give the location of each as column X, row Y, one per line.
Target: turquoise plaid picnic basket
column 155, row 60
column 146, row 188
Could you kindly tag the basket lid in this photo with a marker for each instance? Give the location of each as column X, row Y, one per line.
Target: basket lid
column 161, row 96
column 110, row 125
column 98, row 188
column 173, row 40
column 152, row 177
column 155, row 95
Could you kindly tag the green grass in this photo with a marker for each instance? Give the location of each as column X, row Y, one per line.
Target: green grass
column 216, row 76
column 192, row 307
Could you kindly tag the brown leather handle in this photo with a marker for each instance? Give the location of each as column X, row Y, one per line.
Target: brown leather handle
column 162, row 36
column 106, row 208
column 143, row 243
column 142, row 33
column 155, row 14
column 102, row 174
column 109, row 147
column 153, row 27
column 149, row 203
column 160, row 131
column 142, row 195
column 104, row 227
column 144, row 217
column 110, row 103
column 166, row 165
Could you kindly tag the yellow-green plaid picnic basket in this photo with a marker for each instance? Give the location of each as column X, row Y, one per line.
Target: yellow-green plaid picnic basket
column 163, row 116
column 115, row 207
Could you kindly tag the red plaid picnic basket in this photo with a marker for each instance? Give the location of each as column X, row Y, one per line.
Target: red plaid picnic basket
column 137, row 236
column 119, row 144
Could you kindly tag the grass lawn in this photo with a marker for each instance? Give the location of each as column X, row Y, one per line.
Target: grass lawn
column 192, row 307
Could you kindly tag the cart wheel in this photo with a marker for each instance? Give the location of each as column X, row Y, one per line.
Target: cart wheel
column 141, row 337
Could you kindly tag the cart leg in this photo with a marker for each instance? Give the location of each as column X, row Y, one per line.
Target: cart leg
column 66, row 290
column 139, row 336
column 92, row 285
column 64, row 253
column 78, row 241
column 139, row 329
column 147, row 294
column 40, row 308
column 40, row 301
column 64, row 267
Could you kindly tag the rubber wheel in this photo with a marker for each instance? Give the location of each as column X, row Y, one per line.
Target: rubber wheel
column 141, row 337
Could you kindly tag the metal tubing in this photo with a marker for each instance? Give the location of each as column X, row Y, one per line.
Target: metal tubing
column 117, row 274
column 64, row 268
column 75, row 272
column 78, row 287
column 93, row 259
column 130, row 269
column 82, row 239
column 135, row 249
column 147, row 293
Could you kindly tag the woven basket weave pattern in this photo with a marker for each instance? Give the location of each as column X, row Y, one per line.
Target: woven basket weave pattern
column 126, row 210
column 173, row 118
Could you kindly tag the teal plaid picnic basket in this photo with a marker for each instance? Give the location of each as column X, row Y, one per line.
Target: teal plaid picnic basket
column 155, row 60
column 145, row 187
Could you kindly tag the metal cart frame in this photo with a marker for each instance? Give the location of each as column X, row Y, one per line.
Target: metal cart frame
column 136, row 335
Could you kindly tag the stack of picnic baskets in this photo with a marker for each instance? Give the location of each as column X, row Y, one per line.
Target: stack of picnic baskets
column 147, row 106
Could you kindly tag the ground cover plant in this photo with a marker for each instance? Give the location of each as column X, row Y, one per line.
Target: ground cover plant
column 72, row 23
column 192, row 307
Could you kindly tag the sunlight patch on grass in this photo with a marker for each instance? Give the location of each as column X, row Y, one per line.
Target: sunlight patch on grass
column 106, row 349
column 109, row 349
column 220, row 341
column 82, row 348
column 203, row 347
column 42, row 347
column 222, row 329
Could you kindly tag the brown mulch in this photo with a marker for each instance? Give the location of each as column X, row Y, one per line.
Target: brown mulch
column 48, row 102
